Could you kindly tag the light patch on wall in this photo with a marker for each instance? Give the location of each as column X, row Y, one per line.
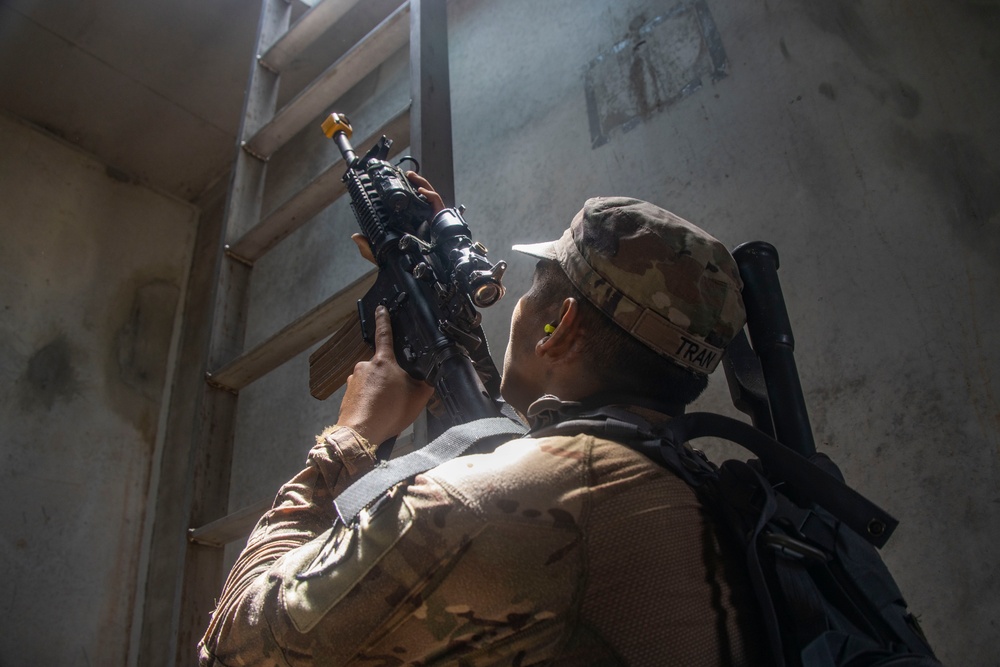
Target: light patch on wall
column 660, row 61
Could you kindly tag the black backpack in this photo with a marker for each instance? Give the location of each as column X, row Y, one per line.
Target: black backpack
column 825, row 596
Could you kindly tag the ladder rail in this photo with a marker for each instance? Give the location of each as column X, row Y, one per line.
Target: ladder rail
column 212, row 461
column 247, row 235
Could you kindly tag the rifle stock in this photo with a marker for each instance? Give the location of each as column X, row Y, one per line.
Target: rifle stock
column 333, row 362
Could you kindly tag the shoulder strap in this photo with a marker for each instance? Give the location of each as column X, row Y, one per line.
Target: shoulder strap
column 453, row 442
column 665, row 445
column 781, row 463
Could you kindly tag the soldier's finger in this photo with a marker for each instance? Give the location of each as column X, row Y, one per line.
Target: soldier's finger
column 364, row 248
column 383, row 334
column 425, row 188
column 418, row 180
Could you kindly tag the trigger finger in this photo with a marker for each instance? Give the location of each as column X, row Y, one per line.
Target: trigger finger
column 383, row 332
column 364, row 247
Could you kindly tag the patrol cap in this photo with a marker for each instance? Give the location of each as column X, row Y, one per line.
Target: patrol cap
column 667, row 282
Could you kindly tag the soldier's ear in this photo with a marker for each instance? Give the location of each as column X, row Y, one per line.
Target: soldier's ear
column 560, row 341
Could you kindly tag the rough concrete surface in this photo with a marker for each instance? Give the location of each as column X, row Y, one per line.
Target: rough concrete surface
column 91, row 274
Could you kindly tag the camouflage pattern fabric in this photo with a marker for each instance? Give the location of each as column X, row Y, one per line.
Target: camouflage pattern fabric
column 567, row 550
column 669, row 283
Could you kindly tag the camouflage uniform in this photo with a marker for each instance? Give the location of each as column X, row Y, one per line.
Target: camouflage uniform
column 559, row 550
column 563, row 550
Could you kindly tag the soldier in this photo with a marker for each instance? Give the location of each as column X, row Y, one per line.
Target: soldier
column 556, row 548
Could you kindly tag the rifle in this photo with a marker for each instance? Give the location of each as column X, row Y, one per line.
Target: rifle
column 432, row 277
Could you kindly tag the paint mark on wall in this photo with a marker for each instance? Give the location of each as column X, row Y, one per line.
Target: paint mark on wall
column 661, row 61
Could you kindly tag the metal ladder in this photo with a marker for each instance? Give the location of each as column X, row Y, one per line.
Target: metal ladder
column 168, row 637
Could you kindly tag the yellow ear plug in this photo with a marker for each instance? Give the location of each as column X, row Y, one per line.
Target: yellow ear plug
column 549, row 328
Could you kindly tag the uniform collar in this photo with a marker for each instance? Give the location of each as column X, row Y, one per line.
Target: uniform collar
column 550, row 409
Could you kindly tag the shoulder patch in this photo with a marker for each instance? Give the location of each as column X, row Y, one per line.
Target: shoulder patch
column 345, row 555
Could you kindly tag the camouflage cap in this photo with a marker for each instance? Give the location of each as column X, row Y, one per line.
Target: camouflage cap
column 665, row 281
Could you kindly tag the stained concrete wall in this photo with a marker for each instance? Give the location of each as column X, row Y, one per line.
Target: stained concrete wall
column 859, row 138
column 92, row 269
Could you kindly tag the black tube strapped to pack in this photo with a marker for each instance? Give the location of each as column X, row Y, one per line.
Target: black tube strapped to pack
column 772, row 340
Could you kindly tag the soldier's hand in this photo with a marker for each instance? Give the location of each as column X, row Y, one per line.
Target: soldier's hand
column 425, row 188
column 381, row 398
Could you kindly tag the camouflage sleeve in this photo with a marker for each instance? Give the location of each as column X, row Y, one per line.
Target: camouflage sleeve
column 473, row 562
column 302, row 510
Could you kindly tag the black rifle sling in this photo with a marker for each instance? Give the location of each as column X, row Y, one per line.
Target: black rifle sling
column 450, row 444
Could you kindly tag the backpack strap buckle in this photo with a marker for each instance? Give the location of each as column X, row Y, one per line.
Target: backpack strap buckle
column 790, row 547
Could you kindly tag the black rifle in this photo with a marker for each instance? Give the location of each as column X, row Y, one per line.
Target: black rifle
column 432, row 277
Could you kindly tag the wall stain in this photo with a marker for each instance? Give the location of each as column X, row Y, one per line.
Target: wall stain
column 827, row 91
column 143, row 340
column 137, row 363
column 119, row 175
column 966, row 181
column 904, row 97
column 784, row 49
column 981, row 10
column 991, row 54
column 842, row 19
column 970, row 180
column 50, row 376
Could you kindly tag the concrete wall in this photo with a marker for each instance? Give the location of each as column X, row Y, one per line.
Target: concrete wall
column 92, row 270
column 861, row 139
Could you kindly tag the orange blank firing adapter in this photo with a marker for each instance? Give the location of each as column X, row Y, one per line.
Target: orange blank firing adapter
column 337, row 122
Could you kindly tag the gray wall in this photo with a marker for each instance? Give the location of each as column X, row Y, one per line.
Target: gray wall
column 859, row 138
column 92, row 270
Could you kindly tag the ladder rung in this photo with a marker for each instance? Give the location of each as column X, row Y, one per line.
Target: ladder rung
column 314, row 197
column 304, row 32
column 295, row 338
column 384, row 40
